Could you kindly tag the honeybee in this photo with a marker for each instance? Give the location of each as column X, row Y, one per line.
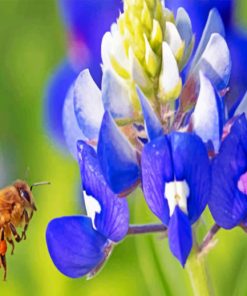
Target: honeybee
column 16, row 210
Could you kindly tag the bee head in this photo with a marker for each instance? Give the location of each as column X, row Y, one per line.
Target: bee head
column 25, row 193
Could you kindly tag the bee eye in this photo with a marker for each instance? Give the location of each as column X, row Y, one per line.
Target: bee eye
column 25, row 194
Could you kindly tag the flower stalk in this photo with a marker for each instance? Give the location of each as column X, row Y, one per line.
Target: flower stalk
column 208, row 238
column 146, row 228
column 197, row 272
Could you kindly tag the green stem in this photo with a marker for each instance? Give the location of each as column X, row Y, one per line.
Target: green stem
column 196, row 269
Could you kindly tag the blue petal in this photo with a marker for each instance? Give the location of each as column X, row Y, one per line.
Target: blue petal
column 56, row 92
column 241, row 107
column 115, row 96
column 237, row 41
column 152, row 124
column 180, row 235
column 191, row 163
column 156, row 170
column 83, row 16
column 207, row 118
column 117, row 157
column 88, row 105
column 113, row 220
column 176, row 157
column 72, row 132
column 88, row 20
column 227, row 203
column 74, row 246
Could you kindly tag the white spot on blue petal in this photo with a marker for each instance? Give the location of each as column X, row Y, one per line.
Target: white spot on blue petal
column 92, row 207
column 176, row 193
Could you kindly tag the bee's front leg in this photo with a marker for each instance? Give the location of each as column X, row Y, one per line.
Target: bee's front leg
column 15, row 233
column 26, row 220
column 3, row 250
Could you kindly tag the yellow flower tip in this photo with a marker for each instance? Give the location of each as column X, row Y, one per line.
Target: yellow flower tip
column 171, row 95
column 121, row 71
column 152, row 61
column 146, row 17
column 156, row 36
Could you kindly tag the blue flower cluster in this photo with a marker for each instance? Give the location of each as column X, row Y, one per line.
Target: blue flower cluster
column 184, row 158
column 85, row 31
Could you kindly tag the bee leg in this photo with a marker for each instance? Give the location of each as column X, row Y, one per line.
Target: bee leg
column 4, row 264
column 25, row 214
column 10, row 241
column 3, row 250
column 15, row 233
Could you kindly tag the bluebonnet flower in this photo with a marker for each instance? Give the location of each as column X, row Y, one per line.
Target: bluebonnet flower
column 236, row 37
column 176, row 180
column 176, row 185
column 228, row 202
column 224, row 132
column 147, row 126
column 79, row 245
column 86, row 22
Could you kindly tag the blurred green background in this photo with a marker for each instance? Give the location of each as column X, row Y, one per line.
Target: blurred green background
column 32, row 43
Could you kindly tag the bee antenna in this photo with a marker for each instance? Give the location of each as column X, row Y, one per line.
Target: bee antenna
column 26, row 174
column 39, row 184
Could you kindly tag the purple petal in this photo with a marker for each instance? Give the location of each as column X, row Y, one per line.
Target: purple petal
column 152, row 124
column 191, row 164
column 113, row 219
column 156, row 170
column 74, row 246
column 180, row 235
column 228, row 203
column 117, row 157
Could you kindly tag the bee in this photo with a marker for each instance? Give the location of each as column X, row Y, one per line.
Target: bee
column 16, row 210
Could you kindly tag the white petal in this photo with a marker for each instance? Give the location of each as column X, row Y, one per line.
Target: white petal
column 169, row 79
column 214, row 25
column 184, row 27
column 115, row 95
column 176, row 193
column 205, row 117
column 92, row 207
column 215, row 62
column 106, row 45
column 88, row 105
column 173, row 38
column 138, row 73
